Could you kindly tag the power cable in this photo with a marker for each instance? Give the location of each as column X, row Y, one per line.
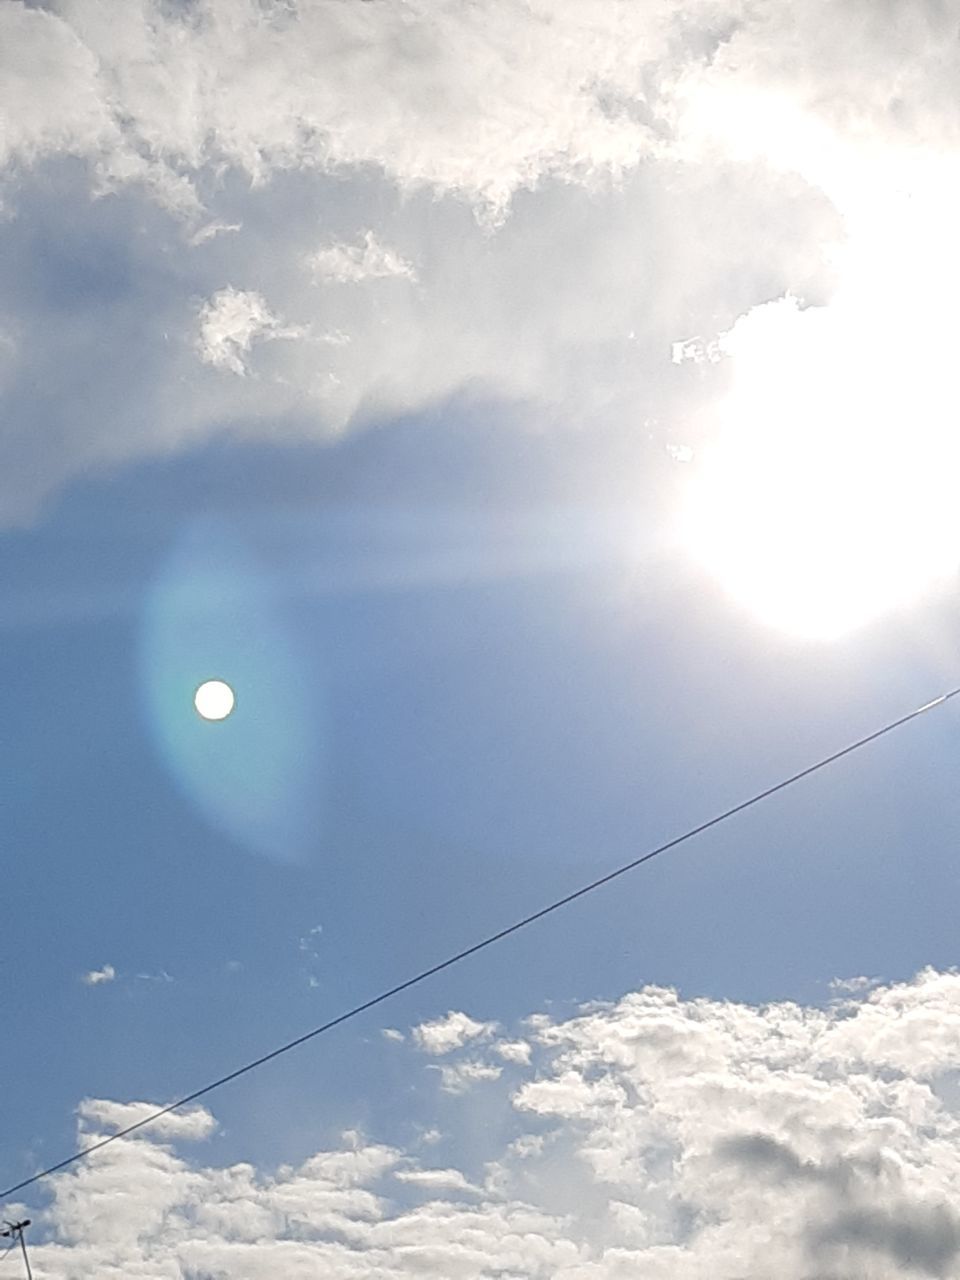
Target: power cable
column 486, row 942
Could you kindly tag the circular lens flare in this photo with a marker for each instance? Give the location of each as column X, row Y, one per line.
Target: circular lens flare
column 214, row 700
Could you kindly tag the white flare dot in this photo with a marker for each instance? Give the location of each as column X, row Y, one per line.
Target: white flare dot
column 214, row 700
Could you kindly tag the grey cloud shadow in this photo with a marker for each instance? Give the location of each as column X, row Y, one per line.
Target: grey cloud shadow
column 924, row 1238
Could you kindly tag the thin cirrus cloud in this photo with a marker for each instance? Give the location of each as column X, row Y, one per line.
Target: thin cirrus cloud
column 658, row 1136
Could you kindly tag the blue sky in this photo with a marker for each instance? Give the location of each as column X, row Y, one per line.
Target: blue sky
column 403, row 440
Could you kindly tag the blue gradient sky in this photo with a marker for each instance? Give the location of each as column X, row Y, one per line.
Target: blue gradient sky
column 466, row 748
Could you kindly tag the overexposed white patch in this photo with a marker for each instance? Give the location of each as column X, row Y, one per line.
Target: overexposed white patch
column 681, row 452
column 828, row 494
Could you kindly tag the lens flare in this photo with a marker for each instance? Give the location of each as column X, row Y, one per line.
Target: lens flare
column 214, row 700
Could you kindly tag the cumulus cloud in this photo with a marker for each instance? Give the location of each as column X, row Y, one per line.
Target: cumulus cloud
column 96, row 977
column 451, row 1032
column 513, row 1050
column 658, row 1136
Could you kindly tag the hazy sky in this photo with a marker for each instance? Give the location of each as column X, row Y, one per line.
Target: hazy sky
column 541, row 412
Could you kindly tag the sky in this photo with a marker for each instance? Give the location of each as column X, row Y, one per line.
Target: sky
column 542, row 416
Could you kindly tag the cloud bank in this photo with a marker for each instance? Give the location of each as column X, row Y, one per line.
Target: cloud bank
column 654, row 1136
column 499, row 200
column 517, row 200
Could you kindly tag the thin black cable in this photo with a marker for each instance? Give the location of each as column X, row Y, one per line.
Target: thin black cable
column 486, row 942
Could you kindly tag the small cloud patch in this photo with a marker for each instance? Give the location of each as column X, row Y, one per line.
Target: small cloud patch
column 97, row 977
column 452, row 1032
column 231, row 322
column 352, row 264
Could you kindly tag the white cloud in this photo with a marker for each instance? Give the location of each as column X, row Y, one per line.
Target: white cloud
column 513, row 1050
column 96, row 977
column 162, row 92
column 451, row 1032
column 435, row 1179
column 662, row 1137
column 231, row 322
column 106, row 1117
column 651, row 170
column 352, row 264
column 210, row 230
column 169, row 100
column 681, row 453
column 853, row 986
column 460, row 1077
column 71, row 114
column 391, row 1033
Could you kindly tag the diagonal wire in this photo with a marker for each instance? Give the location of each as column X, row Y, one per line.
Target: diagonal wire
column 489, row 941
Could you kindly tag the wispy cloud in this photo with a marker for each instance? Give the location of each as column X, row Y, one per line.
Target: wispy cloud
column 460, row 1077
column 354, row 263
column 436, row 1179
column 210, row 230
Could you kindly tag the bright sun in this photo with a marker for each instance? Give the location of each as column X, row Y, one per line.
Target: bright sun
column 214, row 700
column 828, row 496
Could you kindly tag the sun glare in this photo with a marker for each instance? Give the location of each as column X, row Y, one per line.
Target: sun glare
column 828, row 494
